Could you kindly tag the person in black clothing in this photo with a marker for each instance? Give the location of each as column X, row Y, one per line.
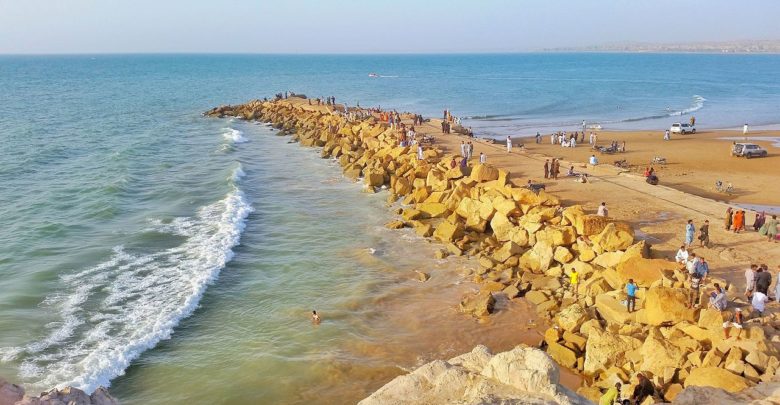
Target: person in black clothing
column 763, row 279
column 642, row 390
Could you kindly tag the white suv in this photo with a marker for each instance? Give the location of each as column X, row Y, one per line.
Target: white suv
column 678, row 128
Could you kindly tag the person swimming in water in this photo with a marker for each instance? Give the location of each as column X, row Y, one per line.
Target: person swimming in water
column 315, row 319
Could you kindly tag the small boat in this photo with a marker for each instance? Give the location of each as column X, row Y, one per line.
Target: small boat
column 373, row 75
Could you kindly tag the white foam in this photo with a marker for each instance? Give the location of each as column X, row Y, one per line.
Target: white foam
column 698, row 104
column 234, row 135
column 111, row 313
column 237, row 174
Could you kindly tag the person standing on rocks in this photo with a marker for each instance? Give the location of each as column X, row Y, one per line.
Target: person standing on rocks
column 718, row 298
column 750, row 280
column 758, row 302
column 420, row 155
column 631, row 288
column 574, row 281
column 547, row 168
column 704, row 234
column 603, row 211
column 453, row 163
column 689, row 231
column 695, row 286
column 763, row 279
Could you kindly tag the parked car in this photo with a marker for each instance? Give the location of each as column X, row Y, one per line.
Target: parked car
column 681, row 128
column 748, row 150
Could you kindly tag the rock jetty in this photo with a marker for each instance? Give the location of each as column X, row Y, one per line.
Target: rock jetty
column 12, row 394
column 524, row 375
column 527, row 245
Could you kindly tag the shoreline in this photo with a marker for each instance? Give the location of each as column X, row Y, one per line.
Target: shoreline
column 508, row 267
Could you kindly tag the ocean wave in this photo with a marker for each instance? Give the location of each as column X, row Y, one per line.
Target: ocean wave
column 234, row 135
column 110, row 313
column 237, row 174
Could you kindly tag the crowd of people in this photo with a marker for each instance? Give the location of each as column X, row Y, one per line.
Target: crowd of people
column 735, row 221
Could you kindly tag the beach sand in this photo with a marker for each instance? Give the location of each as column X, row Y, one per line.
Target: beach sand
column 657, row 213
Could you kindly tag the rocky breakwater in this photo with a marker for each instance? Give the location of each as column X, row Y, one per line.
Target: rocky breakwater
column 523, row 375
column 528, row 245
column 12, row 394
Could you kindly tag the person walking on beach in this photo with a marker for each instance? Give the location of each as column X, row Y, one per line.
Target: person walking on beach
column 771, row 229
column 745, row 131
column 667, row 135
column 689, row 231
column 463, row 148
column 739, row 221
column 728, row 219
column 538, row 137
column 508, row 144
column 553, row 137
column 591, row 138
column 470, row 150
column 631, row 295
column 759, row 221
column 704, row 234
column 482, row 158
column 556, row 169
column 602, row 211
column 593, row 161
column 693, row 120
column 547, row 168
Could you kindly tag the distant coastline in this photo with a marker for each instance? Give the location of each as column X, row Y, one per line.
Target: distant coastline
column 726, row 47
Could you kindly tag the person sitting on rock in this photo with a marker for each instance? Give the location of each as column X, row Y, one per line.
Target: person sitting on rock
column 643, row 389
column 611, row 396
column 682, row 255
column 718, row 299
column 735, row 321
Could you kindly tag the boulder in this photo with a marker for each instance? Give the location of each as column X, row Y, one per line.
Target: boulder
column 612, row 310
column 657, row 354
column 667, row 305
column 605, row 349
column 571, row 318
column 611, row 239
column 562, row 354
column 395, row 225
column 448, row 232
column 10, row 393
column 432, row 210
column 506, row 251
column 538, row 258
column 484, row 172
column 644, row 271
column 588, row 225
column 480, row 304
column 562, row 255
column 716, row 377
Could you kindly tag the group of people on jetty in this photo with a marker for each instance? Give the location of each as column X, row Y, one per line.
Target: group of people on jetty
column 735, row 221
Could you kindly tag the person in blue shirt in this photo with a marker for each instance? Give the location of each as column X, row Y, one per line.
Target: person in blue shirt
column 689, row 231
column 631, row 295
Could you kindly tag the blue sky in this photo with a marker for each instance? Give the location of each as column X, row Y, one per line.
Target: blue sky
column 350, row 26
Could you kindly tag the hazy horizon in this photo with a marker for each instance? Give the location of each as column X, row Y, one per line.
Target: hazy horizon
column 351, row 27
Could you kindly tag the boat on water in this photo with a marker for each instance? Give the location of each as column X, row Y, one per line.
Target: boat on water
column 373, row 75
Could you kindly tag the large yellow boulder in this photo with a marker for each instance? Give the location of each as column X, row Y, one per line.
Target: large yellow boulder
column 538, row 258
column 605, row 349
column 557, row 235
column 644, row 271
column 571, row 318
column 589, row 224
column 562, row 355
column 484, row 172
column 446, row 231
column 501, row 226
column 611, row 309
column 374, row 178
column 667, row 305
column 716, row 377
column 611, row 239
column 658, row 353
column 433, row 210
column 506, row 251
column 436, row 180
column 402, row 186
column 506, row 206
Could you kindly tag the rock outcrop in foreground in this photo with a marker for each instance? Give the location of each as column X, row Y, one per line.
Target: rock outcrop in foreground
column 524, row 375
column 12, row 394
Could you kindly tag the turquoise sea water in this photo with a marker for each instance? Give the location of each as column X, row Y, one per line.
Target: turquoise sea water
column 147, row 247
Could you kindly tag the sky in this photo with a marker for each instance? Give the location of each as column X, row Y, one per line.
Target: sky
column 351, row 26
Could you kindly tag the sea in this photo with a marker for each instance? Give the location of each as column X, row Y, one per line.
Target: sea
column 176, row 258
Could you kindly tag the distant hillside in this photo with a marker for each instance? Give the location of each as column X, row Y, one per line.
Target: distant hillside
column 756, row 46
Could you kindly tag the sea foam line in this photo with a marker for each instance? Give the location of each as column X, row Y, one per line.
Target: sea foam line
column 234, row 135
column 111, row 313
